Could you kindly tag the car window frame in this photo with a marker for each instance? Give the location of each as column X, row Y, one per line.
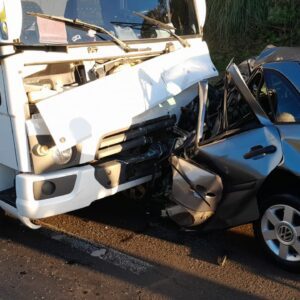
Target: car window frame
column 260, row 71
column 226, row 131
column 275, row 122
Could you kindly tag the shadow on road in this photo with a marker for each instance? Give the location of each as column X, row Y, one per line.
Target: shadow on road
column 161, row 280
column 140, row 218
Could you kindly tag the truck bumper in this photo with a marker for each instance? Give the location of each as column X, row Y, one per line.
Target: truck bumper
column 46, row 195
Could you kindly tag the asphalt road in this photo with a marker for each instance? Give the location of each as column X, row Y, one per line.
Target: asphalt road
column 122, row 249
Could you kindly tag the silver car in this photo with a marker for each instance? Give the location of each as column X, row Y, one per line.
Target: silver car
column 245, row 163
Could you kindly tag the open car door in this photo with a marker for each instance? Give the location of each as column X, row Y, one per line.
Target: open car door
column 196, row 191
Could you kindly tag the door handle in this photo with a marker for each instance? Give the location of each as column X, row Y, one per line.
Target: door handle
column 260, row 150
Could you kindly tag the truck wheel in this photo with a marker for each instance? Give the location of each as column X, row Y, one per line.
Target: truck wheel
column 278, row 230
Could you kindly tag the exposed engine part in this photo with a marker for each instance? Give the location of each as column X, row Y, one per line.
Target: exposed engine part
column 119, row 171
column 120, row 68
column 195, row 191
column 80, row 75
column 102, row 69
column 55, row 75
column 135, row 133
column 52, row 79
column 155, row 151
column 189, row 116
column 46, row 80
column 137, row 136
column 37, row 92
column 141, row 141
column 137, row 193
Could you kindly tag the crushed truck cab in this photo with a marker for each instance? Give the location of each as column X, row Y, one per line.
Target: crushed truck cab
column 91, row 93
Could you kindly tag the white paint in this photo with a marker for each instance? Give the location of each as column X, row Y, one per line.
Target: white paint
column 13, row 12
column 111, row 103
column 16, row 100
column 101, row 51
column 7, row 145
column 12, row 211
column 200, row 6
column 89, row 146
column 36, row 126
column 87, row 190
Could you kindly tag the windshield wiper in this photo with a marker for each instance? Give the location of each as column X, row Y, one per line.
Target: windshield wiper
column 168, row 28
column 81, row 24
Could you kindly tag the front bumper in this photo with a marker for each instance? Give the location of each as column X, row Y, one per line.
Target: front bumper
column 85, row 189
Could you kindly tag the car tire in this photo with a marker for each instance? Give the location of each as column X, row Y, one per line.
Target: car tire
column 278, row 230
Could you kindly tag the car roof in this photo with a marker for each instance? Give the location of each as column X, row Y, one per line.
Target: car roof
column 276, row 54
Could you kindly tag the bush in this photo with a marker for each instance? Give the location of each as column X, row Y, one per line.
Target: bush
column 242, row 28
column 229, row 18
column 284, row 21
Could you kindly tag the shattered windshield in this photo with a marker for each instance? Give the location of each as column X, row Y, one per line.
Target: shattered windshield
column 116, row 16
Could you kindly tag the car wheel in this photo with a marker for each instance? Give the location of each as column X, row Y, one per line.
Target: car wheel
column 278, row 230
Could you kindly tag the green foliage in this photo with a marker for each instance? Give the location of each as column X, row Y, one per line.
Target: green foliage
column 284, row 21
column 227, row 18
column 242, row 28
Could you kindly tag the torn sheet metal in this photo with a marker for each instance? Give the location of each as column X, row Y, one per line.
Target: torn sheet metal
column 196, row 192
column 112, row 102
column 242, row 87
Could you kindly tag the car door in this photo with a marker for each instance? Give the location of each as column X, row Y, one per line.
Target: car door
column 281, row 79
column 243, row 147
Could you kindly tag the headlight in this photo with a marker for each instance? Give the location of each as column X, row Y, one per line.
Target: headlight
column 62, row 157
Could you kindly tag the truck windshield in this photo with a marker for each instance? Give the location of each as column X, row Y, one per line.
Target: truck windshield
column 116, row 16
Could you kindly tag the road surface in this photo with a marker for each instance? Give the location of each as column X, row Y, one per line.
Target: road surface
column 122, row 249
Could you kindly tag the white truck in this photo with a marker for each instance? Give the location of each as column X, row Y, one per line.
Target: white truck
column 90, row 93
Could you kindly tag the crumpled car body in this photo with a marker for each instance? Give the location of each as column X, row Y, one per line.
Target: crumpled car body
column 104, row 98
column 249, row 138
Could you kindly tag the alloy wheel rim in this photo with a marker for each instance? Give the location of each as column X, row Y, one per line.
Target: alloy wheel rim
column 280, row 227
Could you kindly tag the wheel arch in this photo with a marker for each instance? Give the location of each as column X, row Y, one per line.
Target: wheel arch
column 280, row 181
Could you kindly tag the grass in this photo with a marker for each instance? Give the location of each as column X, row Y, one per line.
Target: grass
column 234, row 17
column 242, row 28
